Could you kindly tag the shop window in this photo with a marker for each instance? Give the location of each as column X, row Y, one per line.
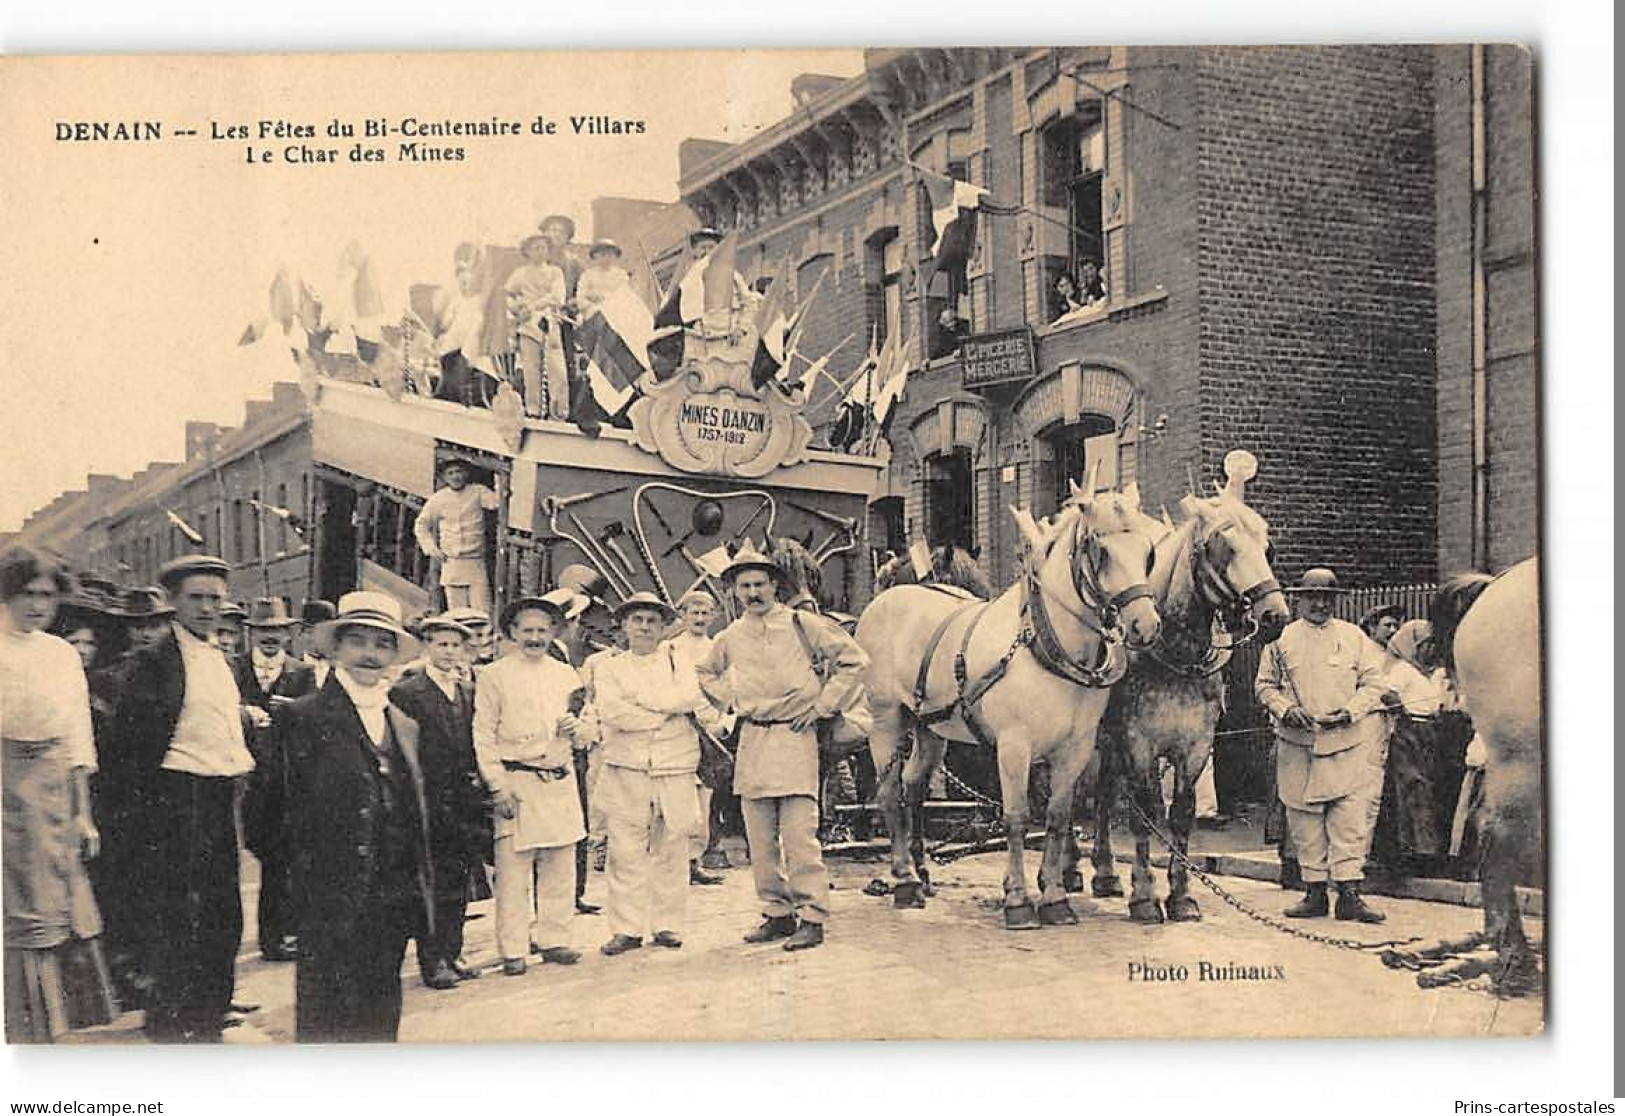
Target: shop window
column 1075, row 449
column 949, row 500
column 1072, row 168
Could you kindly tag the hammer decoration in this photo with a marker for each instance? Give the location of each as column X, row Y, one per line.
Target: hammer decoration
column 584, row 542
column 610, row 537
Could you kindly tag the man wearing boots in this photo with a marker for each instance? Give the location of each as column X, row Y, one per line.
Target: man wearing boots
column 760, row 667
column 1322, row 683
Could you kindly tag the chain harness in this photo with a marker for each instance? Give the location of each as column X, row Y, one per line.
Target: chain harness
column 1036, row 633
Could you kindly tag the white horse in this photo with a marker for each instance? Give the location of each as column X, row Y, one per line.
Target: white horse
column 1487, row 633
column 1027, row 673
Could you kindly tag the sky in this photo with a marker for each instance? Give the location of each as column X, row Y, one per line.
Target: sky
column 139, row 264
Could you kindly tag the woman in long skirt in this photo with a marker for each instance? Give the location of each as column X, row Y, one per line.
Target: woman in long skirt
column 1409, row 837
column 55, row 977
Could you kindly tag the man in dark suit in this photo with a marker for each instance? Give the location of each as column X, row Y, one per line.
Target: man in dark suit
column 362, row 876
column 178, row 727
column 266, row 677
column 443, row 707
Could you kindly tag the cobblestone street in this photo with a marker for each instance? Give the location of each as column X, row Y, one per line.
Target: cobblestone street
column 949, row 971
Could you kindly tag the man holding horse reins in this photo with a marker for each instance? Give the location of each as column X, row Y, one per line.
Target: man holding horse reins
column 1322, row 683
column 782, row 672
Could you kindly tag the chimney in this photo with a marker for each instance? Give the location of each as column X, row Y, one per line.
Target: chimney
column 286, row 396
column 201, row 437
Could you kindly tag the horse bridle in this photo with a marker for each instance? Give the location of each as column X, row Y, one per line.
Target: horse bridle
column 1234, row 607
column 1102, row 612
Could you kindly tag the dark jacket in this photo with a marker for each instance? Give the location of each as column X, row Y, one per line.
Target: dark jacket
column 151, row 686
column 331, row 775
column 265, row 805
column 451, row 780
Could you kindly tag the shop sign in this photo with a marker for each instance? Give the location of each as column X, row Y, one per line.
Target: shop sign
column 1001, row 357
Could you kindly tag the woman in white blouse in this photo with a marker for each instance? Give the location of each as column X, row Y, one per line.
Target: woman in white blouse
column 55, row 977
column 1409, row 838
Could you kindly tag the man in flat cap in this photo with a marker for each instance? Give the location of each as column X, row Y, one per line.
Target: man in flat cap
column 179, row 725
column 1322, row 683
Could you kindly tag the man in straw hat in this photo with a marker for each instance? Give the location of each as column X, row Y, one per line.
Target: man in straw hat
column 761, row 668
column 1322, row 682
column 535, row 297
column 529, row 715
column 451, row 530
column 443, row 706
column 358, row 820
column 267, row 677
column 646, row 704
column 178, row 726
column 603, row 277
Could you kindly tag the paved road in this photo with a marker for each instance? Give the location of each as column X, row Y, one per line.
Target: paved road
column 950, row 971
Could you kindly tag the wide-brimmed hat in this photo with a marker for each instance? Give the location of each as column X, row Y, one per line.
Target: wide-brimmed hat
column 366, row 609
column 469, row 618
column 93, row 599
column 558, row 218
column 571, row 602
column 583, row 579
column 1317, row 580
column 147, row 602
column 704, row 232
column 749, row 558
column 317, row 611
column 174, row 571
column 231, row 613
column 514, row 608
column 442, row 623
column 269, row 612
column 1375, row 614
column 603, row 246
column 646, row 600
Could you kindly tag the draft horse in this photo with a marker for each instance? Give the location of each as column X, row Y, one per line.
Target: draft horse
column 1487, row 633
column 1026, row 673
column 1214, row 590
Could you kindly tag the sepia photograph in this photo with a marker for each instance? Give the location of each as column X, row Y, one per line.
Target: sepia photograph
column 776, row 544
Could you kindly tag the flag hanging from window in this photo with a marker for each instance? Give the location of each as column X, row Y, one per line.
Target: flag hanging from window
column 615, row 340
column 191, row 533
column 955, row 209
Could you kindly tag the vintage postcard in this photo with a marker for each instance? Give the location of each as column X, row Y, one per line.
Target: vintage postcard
column 909, row 543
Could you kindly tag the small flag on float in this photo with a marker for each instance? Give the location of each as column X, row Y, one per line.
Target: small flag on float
column 191, row 533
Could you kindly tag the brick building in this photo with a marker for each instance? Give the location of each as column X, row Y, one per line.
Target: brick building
column 1264, row 221
column 1488, row 366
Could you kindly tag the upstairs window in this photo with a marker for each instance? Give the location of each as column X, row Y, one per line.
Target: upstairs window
column 1072, row 169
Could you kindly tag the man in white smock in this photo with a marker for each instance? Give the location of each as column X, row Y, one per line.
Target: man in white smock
column 645, row 700
column 1322, row 683
column 529, row 711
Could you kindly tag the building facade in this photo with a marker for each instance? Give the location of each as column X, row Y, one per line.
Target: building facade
column 1263, row 222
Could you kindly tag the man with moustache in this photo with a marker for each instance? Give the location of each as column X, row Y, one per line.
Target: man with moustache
column 443, row 706
column 760, row 668
column 1322, row 682
column 361, row 868
column 266, row 677
column 529, row 717
column 178, row 726
column 312, row 615
column 691, row 645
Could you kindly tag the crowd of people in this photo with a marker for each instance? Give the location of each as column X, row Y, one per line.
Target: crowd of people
column 384, row 775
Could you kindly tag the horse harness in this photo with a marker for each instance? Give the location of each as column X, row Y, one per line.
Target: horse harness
column 1233, row 607
column 1036, row 634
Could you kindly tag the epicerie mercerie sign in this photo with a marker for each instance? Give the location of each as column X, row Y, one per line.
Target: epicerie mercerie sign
column 1001, row 357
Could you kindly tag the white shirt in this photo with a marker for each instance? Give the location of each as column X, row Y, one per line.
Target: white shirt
column 1322, row 668
column 208, row 736
column 43, row 695
column 322, row 668
column 453, row 522
column 446, row 682
column 516, row 706
column 370, row 702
